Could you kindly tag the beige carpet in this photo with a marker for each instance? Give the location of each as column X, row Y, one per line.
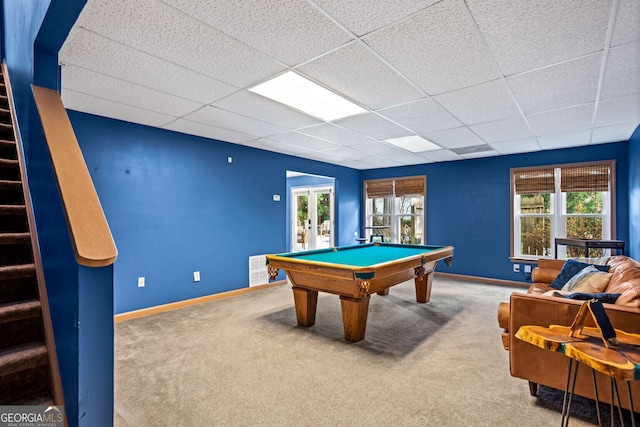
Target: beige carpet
column 243, row 361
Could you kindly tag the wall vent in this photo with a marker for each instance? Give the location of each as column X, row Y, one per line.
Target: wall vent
column 258, row 273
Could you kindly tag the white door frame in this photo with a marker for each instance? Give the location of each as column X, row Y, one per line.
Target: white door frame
column 312, row 221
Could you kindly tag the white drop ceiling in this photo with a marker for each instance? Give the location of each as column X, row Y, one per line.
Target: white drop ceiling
column 476, row 77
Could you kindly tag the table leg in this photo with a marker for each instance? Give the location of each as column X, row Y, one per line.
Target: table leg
column 354, row 317
column 631, row 410
column 423, row 286
column 306, row 302
column 595, row 392
column 566, row 411
column 384, row 292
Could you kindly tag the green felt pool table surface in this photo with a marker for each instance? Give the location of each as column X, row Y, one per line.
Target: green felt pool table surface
column 367, row 255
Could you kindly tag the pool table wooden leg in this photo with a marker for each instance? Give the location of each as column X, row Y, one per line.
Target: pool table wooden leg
column 354, row 317
column 384, row 292
column 423, row 287
column 306, row 302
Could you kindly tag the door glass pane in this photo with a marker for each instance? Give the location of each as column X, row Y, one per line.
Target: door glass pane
column 302, row 239
column 535, row 236
column 323, row 216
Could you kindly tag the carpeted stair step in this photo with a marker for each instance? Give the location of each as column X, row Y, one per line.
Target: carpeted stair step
column 17, row 271
column 14, row 238
column 13, row 219
column 11, row 192
column 8, row 150
column 39, row 399
column 9, row 170
column 20, row 311
column 23, row 357
column 6, row 129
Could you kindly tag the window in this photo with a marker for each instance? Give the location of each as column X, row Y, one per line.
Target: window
column 561, row 201
column 395, row 209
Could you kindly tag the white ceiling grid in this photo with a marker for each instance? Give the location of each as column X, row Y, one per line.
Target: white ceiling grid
column 476, row 77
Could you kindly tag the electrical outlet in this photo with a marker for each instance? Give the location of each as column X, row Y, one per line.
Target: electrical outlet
column 196, row 276
column 527, row 268
column 516, row 268
column 141, row 282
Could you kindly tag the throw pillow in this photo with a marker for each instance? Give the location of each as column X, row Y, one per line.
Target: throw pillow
column 570, row 269
column 589, row 280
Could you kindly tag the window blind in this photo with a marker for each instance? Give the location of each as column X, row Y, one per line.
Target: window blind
column 409, row 186
column 584, row 178
column 379, row 188
column 534, row 181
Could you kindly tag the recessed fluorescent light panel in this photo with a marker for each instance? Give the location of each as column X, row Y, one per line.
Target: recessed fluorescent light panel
column 414, row 143
column 302, row 94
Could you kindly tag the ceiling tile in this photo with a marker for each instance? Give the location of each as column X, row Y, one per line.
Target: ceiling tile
column 304, row 141
column 357, row 164
column 95, row 84
column 213, row 116
column 616, row 111
column 278, row 147
column 564, row 140
column 343, row 154
column 124, row 63
column 373, row 125
column 502, row 130
column 479, row 154
column 557, row 86
column 336, row 134
column 559, row 121
column 258, row 107
column 422, row 116
column 103, row 107
column 364, row 16
column 270, row 26
column 374, row 148
column 448, row 56
column 621, row 75
column 525, row 35
column 353, row 70
column 482, row 103
column 454, row 138
column 525, row 145
column 627, row 26
column 167, row 33
column 440, row 156
column 381, row 162
column 211, row 132
column 402, row 156
column 616, row 133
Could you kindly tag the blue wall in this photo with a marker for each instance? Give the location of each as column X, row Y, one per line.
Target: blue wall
column 634, row 195
column 468, row 204
column 176, row 206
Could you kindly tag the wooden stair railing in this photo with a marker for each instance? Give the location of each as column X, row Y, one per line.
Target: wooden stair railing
column 29, row 373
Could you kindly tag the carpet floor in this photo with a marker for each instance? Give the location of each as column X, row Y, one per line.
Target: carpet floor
column 243, row 361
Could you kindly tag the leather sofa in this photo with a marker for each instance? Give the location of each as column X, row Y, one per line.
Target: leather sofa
column 539, row 366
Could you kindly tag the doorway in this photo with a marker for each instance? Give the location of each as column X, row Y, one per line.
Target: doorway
column 312, row 218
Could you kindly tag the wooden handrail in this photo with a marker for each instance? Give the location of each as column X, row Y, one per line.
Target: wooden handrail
column 90, row 234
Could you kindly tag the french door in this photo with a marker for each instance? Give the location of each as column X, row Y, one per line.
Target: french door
column 312, row 218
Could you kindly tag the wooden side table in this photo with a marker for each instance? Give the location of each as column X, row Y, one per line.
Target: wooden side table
column 612, row 352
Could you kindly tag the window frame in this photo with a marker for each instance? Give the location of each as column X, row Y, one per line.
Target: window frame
column 395, row 216
column 558, row 213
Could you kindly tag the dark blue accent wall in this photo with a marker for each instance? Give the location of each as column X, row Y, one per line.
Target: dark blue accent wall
column 468, row 204
column 634, row 195
column 176, row 206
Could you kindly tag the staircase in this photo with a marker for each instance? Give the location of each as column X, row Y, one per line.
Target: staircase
column 27, row 367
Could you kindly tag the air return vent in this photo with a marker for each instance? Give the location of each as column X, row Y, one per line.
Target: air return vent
column 258, row 273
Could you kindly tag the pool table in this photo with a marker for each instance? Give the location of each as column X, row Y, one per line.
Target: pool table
column 354, row 273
